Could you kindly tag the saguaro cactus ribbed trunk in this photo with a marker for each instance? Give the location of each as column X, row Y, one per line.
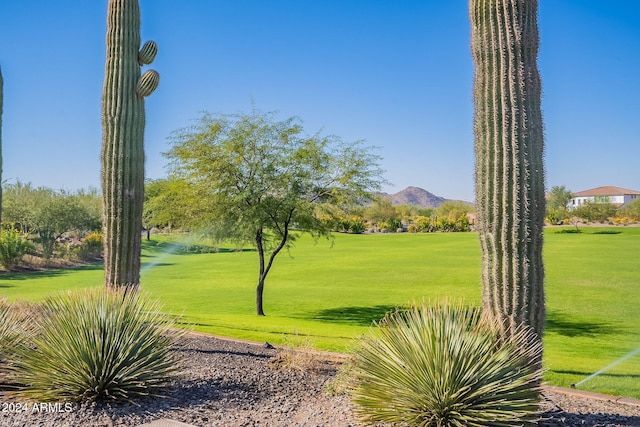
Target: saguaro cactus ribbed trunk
column 1, row 105
column 510, row 199
column 123, row 121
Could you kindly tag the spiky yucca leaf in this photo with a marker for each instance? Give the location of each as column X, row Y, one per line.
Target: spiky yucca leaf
column 95, row 344
column 12, row 335
column 447, row 366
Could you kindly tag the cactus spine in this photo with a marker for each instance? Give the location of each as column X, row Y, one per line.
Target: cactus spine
column 123, row 120
column 509, row 142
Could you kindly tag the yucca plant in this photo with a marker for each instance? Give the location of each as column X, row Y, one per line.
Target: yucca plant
column 447, row 365
column 98, row 344
column 16, row 328
column 11, row 335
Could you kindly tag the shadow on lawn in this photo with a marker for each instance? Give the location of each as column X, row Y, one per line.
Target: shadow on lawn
column 153, row 248
column 31, row 274
column 586, row 374
column 567, row 326
column 357, row 316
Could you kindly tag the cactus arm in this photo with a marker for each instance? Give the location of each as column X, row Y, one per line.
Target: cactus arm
column 1, row 106
column 123, row 121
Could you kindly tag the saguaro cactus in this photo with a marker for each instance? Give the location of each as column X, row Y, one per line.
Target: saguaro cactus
column 510, row 200
column 1, row 105
column 123, row 120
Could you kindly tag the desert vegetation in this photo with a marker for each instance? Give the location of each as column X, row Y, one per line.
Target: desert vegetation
column 246, row 186
column 330, row 292
column 86, row 345
column 446, row 364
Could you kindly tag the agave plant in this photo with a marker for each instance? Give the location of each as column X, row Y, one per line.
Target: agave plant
column 447, row 365
column 98, row 344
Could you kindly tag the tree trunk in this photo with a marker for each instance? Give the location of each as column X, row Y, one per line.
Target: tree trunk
column 510, row 199
column 261, row 274
column 259, row 292
column 265, row 267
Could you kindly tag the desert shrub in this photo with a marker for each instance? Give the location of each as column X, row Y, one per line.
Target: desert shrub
column 556, row 216
column 97, row 344
column 343, row 382
column 296, row 354
column 462, row 223
column 390, row 225
column 352, row 224
column 447, row 366
column 630, row 210
column 595, row 212
column 13, row 246
column 356, row 225
column 91, row 246
column 423, row 224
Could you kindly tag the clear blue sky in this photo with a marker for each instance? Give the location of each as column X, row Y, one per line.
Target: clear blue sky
column 395, row 73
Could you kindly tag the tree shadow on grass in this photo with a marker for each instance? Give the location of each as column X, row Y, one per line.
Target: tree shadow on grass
column 149, row 265
column 32, row 274
column 586, row 374
column 154, row 248
column 354, row 315
column 567, row 326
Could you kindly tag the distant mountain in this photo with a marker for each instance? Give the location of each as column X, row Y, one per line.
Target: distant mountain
column 415, row 196
column 419, row 197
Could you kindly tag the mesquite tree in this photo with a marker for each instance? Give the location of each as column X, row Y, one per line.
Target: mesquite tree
column 510, row 199
column 256, row 179
column 123, row 120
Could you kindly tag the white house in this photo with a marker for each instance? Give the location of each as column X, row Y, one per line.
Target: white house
column 615, row 195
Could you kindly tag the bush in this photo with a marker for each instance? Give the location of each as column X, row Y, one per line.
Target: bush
column 595, row 212
column 97, row 344
column 631, row 210
column 13, row 246
column 353, row 224
column 423, row 224
column 447, row 366
column 91, row 247
column 556, row 216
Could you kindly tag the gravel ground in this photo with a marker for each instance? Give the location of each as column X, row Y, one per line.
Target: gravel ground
column 229, row 383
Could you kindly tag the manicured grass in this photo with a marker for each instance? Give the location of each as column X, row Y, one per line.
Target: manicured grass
column 329, row 293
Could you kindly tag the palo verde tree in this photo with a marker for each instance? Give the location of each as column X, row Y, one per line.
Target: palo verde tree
column 254, row 178
column 123, row 120
column 509, row 176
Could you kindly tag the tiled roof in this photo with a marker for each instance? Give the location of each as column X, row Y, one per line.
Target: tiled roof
column 605, row 191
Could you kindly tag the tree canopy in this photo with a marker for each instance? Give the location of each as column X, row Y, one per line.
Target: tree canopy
column 559, row 198
column 50, row 214
column 254, row 178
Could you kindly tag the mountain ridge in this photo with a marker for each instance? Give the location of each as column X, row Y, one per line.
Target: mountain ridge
column 419, row 197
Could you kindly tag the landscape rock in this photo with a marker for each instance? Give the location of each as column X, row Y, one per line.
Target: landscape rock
column 229, row 383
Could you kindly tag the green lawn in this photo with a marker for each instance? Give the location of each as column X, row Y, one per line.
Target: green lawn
column 328, row 294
